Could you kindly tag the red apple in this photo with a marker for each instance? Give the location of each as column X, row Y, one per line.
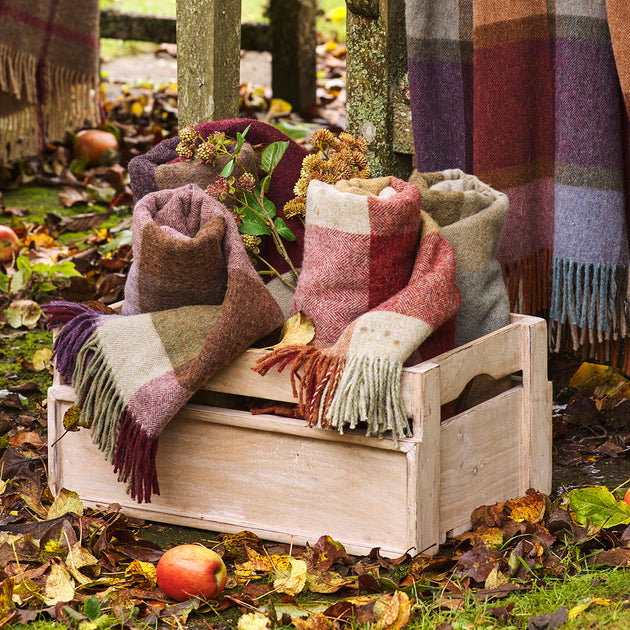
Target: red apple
column 191, row 571
column 9, row 243
column 96, row 145
column 626, row 497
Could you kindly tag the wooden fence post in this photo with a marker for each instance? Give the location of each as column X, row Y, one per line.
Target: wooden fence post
column 208, row 59
column 293, row 43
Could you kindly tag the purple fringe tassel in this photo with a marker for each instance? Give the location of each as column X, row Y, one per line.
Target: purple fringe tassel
column 79, row 322
column 134, row 459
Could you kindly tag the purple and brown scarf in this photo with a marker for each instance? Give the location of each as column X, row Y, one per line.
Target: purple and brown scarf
column 206, row 304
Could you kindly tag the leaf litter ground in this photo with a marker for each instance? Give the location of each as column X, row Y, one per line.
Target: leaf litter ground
column 89, row 568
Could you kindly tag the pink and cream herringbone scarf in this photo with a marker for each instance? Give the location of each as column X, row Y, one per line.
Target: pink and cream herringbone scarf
column 200, row 303
column 377, row 280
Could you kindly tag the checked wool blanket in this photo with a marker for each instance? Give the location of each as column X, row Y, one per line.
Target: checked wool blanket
column 533, row 98
column 378, row 280
column 133, row 373
column 48, row 71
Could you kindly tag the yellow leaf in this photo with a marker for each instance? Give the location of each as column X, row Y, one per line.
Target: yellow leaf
column 277, row 106
column 314, row 622
column 326, row 581
column 59, row 586
column 292, row 581
column 576, row 610
column 337, row 14
column 137, row 108
column 603, row 383
column 79, row 557
column 260, row 565
column 298, row 330
column 41, row 359
column 72, row 419
column 143, row 574
column 495, row 578
column 67, row 501
column 393, row 610
column 253, row 621
column 530, row 508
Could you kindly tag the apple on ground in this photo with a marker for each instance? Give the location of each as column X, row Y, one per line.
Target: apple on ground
column 191, row 571
column 9, row 243
column 626, row 497
column 97, row 145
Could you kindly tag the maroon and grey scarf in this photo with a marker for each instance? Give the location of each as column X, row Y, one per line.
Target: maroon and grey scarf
column 378, row 280
column 48, row 71
column 206, row 304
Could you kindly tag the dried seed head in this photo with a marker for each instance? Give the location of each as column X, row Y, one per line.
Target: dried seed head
column 184, row 151
column 295, row 207
column 207, row 152
column 251, row 243
column 218, row 188
column 246, row 182
column 189, row 135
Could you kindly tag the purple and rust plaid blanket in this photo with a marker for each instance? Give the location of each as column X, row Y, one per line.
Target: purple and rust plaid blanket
column 529, row 97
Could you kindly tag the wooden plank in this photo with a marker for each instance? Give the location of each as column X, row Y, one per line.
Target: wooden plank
column 208, row 68
column 425, row 407
column 218, row 474
column 497, row 354
column 536, row 430
column 480, row 452
column 162, row 29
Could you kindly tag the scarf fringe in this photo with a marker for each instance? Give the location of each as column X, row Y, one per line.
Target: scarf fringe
column 114, row 429
column 528, row 282
column 135, row 459
column 338, row 392
column 69, row 101
column 588, row 315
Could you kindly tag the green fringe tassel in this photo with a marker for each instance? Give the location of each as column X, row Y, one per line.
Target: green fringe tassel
column 369, row 391
column 100, row 401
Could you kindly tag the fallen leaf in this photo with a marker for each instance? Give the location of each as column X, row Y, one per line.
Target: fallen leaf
column 292, row 581
column 592, row 601
column 59, row 585
column 142, row 574
column 23, row 313
column 314, row 622
column 298, row 330
column 253, row 621
column 611, row 558
column 67, row 501
column 41, row 360
column 326, row 581
column 72, row 419
column 530, row 508
column 548, row 621
column 393, row 611
column 598, row 505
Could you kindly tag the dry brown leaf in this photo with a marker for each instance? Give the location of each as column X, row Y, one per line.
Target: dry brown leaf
column 298, row 330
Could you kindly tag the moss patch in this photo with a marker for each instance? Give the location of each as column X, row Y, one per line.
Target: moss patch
column 15, row 351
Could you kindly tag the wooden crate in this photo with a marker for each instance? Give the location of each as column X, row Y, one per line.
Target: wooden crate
column 227, row 470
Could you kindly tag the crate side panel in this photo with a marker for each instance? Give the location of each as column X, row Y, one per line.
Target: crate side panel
column 260, row 480
column 480, row 459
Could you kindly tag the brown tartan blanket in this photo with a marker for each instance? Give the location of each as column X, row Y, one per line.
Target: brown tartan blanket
column 49, row 72
column 133, row 373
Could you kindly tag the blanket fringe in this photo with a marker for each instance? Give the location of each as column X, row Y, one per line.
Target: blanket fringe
column 529, row 283
column 135, row 458
column 79, row 322
column 338, row 392
column 588, row 315
column 114, row 429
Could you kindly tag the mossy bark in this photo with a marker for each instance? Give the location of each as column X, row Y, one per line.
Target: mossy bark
column 376, row 66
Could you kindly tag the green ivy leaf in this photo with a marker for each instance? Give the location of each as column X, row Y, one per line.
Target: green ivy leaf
column 92, row 608
column 227, row 169
column 283, row 229
column 272, row 155
column 598, row 505
column 254, row 227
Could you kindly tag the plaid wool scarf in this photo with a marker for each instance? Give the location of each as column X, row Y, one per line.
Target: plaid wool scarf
column 48, row 72
column 157, row 169
column 529, row 96
column 133, row 373
column 378, row 279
